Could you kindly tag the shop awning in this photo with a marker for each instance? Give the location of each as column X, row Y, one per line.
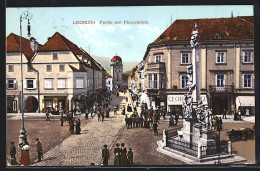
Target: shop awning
column 245, row 101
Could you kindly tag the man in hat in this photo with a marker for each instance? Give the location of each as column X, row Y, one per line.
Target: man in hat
column 130, row 157
column 155, row 125
column 12, row 154
column 105, row 155
column 117, row 152
column 39, row 149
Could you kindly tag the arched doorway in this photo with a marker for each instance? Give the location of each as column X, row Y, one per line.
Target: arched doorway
column 31, row 104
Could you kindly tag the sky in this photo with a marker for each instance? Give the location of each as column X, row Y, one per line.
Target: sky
column 129, row 41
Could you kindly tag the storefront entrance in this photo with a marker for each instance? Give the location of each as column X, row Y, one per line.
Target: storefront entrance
column 218, row 105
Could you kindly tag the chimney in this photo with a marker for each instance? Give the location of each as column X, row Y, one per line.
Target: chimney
column 231, row 14
column 34, row 44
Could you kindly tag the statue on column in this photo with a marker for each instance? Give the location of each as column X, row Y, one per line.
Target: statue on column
column 194, row 38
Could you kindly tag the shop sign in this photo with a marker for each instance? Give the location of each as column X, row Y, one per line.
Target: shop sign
column 179, row 99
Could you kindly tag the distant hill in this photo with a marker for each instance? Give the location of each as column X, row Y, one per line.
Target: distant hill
column 105, row 62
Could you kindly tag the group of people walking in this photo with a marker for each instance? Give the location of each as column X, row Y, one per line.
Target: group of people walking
column 217, row 123
column 122, row 156
column 74, row 126
column 25, row 157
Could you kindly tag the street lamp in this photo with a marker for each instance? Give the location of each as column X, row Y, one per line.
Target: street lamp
column 25, row 15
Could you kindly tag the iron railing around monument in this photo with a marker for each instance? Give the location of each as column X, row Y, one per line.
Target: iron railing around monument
column 212, row 149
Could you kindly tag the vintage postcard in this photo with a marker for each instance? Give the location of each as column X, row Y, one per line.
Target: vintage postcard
column 130, row 86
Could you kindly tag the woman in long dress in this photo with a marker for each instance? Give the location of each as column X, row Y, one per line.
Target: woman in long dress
column 124, row 161
column 117, row 152
column 25, row 156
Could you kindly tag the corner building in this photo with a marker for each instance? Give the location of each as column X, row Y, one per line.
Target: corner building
column 226, row 55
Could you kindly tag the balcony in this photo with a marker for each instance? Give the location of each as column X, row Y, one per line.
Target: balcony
column 160, row 66
column 225, row 89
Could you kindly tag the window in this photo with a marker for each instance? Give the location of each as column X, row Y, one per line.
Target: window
column 184, row 80
column 155, row 81
column 220, row 57
column 11, row 68
column 161, row 80
column 29, row 69
column 247, row 81
column 62, row 67
column 220, row 80
column 30, row 84
column 11, row 84
column 48, row 82
column 149, row 80
column 79, row 83
column 61, row 83
column 185, row 58
column 157, row 58
column 247, row 57
column 55, row 56
column 48, row 68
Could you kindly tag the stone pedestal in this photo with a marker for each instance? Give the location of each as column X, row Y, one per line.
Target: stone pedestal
column 187, row 129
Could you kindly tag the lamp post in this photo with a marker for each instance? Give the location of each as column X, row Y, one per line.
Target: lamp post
column 25, row 15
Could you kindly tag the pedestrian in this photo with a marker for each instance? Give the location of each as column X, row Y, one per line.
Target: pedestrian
column 123, row 110
column 217, row 124
column 151, row 123
column 115, row 110
column 87, row 112
column 61, row 120
column 25, row 155
column 77, row 127
column 39, row 149
column 130, row 157
column 105, row 155
column 171, row 121
column 141, row 121
column 224, row 116
column 133, row 120
column 126, row 98
column 214, row 123
column 71, row 127
column 13, row 153
column 155, row 125
column 102, row 115
column 47, row 115
column 117, row 152
column 124, row 161
column 98, row 114
column 176, row 118
column 107, row 112
column 91, row 112
column 130, row 120
column 126, row 122
column 137, row 120
column 220, row 124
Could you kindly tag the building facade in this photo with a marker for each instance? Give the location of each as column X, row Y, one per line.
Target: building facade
column 58, row 74
column 226, row 55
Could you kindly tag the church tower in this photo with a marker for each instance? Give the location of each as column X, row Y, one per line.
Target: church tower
column 116, row 68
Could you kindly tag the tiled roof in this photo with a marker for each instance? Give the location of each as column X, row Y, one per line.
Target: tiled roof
column 116, row 58
column 81, row 69
column 13, row 45
column 108, row 75
column 229, row 28
column 60, row 43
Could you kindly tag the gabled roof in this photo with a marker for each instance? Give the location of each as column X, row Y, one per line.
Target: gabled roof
column 209, row 29
column 13, row 45
column 60, row 43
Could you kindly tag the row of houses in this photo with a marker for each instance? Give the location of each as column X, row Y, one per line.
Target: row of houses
column 226, row 55
column 56, row 74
